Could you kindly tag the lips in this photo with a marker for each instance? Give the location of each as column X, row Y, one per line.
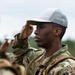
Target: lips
column 36, row 39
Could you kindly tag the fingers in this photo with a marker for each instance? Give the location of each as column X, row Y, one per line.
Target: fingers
column 27, row 28
column 5, row 43
column 4, row 46
column 31, row 28
column 26, row 31
column 27, row 24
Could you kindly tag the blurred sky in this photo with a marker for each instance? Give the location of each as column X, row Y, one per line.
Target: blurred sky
column 14, row 13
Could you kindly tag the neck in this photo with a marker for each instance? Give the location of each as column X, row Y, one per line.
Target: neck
column 51, row 49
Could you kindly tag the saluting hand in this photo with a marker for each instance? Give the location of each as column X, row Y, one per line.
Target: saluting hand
column 4, row 46
column 26, row 31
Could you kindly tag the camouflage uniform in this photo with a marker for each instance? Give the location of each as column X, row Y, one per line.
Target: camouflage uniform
column 60, row 63
column 22, row 54
column 25, row 54
column 35, row 62
column 6, row 68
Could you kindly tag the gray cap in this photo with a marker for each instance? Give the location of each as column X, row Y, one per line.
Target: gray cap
column 51, row 15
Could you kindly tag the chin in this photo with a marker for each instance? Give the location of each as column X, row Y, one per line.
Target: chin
column 40, row 45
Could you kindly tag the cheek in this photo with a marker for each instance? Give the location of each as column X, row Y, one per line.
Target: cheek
column 48, row 36
column 45, row 35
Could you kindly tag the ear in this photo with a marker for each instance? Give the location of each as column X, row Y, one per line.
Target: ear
column 57, row 31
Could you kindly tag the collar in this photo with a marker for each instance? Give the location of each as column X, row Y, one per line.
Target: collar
column 56, row 54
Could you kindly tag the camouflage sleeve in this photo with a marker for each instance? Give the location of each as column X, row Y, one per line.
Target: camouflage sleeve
column 20, row 47
column 3, row 55
column 9, row 56
column 21, row 44
column 6, row 68
column 68, row 70
column 25, row 54
column 65, row 68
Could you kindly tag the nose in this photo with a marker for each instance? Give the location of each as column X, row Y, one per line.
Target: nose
column 36, row 31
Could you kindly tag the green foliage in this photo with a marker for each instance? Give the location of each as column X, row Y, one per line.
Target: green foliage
column 71, row 45
column 32, row 43
column 10, row 50
column 0, row 42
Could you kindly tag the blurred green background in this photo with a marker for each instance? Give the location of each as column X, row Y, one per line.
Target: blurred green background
column 69, row 42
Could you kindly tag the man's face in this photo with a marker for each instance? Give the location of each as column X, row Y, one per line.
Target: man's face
column 44, row 34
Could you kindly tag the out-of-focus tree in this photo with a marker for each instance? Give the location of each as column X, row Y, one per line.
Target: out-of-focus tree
column 71, row 45
column 32, row 43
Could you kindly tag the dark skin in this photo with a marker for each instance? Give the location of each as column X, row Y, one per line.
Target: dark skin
column 47, row 35
column 5, row 45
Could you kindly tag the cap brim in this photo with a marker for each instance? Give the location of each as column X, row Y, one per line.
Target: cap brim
column 35, row 21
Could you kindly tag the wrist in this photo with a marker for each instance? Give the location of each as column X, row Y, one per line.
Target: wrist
column 19, row 37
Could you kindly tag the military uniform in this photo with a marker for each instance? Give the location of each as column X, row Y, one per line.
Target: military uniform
column 35, row 62
column 24, row 54
column 60, row 63
column 6, row 68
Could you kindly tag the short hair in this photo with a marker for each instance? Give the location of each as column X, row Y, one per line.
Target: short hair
column 63, row 31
